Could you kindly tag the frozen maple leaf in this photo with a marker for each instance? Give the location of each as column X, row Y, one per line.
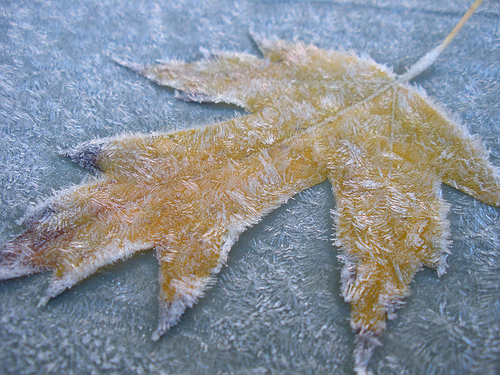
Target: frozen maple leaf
column 315, row 115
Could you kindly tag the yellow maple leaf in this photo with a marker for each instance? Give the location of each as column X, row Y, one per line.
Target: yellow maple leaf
column 315, row 115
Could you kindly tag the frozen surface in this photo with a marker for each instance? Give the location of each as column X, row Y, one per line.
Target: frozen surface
column 276, row 308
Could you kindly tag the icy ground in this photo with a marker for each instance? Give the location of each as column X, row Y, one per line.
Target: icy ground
column 276, row 307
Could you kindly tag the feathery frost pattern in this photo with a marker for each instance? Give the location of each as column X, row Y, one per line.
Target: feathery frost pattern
column 314, row 115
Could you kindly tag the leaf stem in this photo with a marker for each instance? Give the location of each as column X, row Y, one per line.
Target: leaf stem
column 431, row 56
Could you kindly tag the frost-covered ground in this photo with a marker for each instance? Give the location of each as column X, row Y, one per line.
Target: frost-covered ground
column 276, row 307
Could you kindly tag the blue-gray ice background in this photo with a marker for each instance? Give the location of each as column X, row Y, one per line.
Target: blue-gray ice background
column 276, row 307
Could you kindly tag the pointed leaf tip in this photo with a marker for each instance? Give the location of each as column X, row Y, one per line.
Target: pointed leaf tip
column 86, row 155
